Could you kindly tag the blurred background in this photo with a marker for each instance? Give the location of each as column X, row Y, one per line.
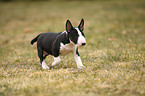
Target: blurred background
column 114, row 53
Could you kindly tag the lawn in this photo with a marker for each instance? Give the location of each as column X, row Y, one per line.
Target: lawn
column 114, row 54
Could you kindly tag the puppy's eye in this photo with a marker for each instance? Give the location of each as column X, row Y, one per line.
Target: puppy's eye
column 75, row 35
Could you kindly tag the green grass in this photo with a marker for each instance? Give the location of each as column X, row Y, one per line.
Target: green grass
column 114, row 54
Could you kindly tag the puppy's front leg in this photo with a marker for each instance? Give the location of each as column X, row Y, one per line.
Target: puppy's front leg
column 78, row 59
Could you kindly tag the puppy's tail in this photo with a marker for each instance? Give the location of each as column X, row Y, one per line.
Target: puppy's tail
column 35, row 39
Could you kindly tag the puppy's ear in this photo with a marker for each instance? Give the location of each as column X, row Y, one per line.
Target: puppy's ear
column 81, row 25
column 68, row 26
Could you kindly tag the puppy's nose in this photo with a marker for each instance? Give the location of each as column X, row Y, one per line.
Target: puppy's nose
column 83, row 44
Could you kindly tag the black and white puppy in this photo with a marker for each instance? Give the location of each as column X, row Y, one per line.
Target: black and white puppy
column 62, row 43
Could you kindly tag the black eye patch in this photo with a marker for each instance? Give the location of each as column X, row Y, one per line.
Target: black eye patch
column 73, row 35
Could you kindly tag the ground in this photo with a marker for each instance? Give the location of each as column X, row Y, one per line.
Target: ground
column 114, row 54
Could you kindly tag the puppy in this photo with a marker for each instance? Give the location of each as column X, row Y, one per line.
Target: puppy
column 62, row 43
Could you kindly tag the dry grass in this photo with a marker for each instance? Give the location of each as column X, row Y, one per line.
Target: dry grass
column 114, row 54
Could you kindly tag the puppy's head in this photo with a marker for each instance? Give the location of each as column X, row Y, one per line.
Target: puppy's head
column 76, row 34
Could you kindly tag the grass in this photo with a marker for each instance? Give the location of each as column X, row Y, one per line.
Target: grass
column 114, row 54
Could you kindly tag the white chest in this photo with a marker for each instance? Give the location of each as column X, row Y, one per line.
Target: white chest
column 65, row 49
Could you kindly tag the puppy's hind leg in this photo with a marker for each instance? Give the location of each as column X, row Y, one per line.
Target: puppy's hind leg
column 44, row 66
column 57, row 60
column 42, row 59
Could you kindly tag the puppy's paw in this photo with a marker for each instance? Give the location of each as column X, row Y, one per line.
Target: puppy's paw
column 44, row 66
column 81, row 67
